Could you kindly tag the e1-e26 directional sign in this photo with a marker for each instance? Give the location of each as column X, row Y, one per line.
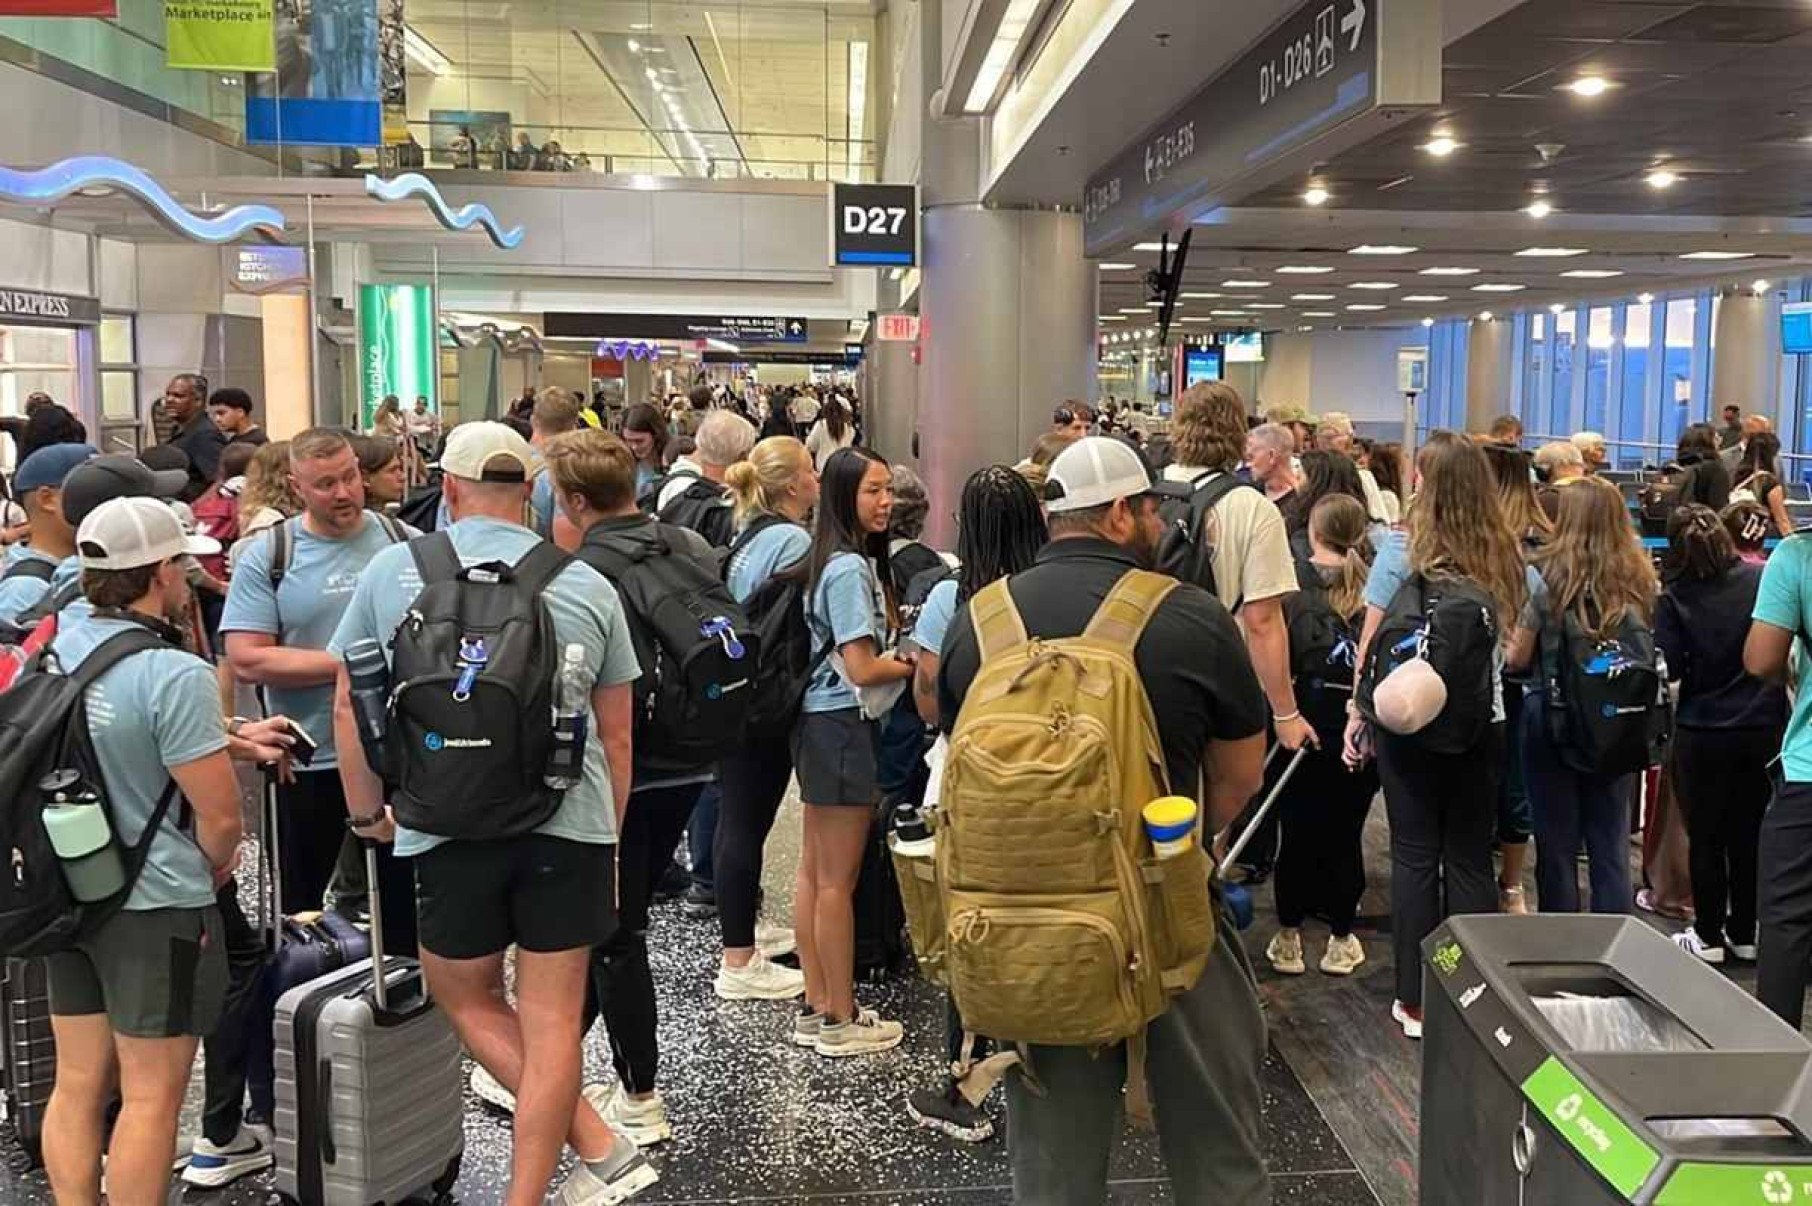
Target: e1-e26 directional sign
column 874, row 225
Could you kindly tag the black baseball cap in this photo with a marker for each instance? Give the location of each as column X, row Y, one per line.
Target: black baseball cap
column 116, row 476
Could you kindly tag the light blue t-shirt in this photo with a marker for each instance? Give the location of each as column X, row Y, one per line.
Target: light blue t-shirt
column 22, row 592
column 933, row 624
column 774, row 548
column 1785, row 601
column 541, row 504
column 154, row 710
column 585, row 610
column 303, row 612
column 846, row 606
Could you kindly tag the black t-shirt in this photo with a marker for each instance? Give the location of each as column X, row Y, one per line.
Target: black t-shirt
column 1701, row 626
column 1192, row 657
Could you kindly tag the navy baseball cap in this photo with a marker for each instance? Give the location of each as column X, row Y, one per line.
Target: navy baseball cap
column 48, row 466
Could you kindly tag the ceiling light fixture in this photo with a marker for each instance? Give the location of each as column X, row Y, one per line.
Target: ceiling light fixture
column 1718, row 255
column 1117, row 318
column 635, row 47
column 1319, row 314
column 1315, row 194
column 1148, row 246
column 1587, row 85
column 1592, row 274
column 1139, row 310
column 1228, row 313
column 1113, row 267
column 1425, row 298
column 1442, row 145
column 1382, row 249
column 1539, row 208
column 1266, row 306
column 1365, row 307
column 1303, row 270
column 1662, row 178
column 1557, row 308
column 1645, row 298
column 1485, row 316
column 1498, row 287
column 1002, row 51
column 1209, row 296
column 1311, row 297
column 1552, row 253
column 1449, row 272
column 1427, row 322
column 1374, row 286
column 1245, row 284
column 1762, row 286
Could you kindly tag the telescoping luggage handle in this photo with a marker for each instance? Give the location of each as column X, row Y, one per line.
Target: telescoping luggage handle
column 1258, row 818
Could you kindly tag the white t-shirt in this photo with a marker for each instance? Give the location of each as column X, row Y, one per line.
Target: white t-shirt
column 820, row 444
column 1251, row 548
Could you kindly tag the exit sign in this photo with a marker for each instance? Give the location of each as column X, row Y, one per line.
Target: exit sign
column 897, row 328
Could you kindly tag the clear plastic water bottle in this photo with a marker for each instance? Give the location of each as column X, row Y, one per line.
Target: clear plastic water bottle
column 572, row 701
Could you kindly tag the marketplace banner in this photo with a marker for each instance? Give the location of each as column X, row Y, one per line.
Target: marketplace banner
column 59, row 8
column 325, row 90
column 220, row 35
column 398, row 350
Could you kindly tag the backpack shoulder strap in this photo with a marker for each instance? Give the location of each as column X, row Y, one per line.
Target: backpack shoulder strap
column 112, row 651
column 283, row 551
column 760, row 524
column 393, row 530
column 30, row 567
column 540, row 566
column 1129, row 607
column 1208, row 495
column 435, row 558
column 998, row 625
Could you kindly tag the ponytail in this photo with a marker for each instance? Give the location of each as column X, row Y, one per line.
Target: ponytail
column 1338, row 522
column 758, row 484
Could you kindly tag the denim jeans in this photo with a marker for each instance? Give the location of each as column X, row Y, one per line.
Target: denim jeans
column 1569, row 807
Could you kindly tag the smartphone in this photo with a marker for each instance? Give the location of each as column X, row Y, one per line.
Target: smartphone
column 303, row 751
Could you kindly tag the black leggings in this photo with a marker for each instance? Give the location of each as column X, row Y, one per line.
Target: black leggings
column 1320, row 866
column 754, row 783
column 1721, row 779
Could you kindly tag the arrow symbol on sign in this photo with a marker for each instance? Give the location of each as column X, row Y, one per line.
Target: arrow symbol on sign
column 1353, row 24
column 797, row 328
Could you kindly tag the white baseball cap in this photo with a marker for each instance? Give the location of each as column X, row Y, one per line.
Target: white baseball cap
column 1093, row 472
column 487, row 451
column 126, row 533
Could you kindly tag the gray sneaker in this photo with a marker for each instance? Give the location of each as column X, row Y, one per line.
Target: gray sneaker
column 806, row 1028
column 865, row 1034
column 621, row 1175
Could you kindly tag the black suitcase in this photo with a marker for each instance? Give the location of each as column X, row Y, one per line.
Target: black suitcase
column 882, row 949
column 30, row 1055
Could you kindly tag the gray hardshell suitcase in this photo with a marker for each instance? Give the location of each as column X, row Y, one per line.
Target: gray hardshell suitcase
column 369, row 1103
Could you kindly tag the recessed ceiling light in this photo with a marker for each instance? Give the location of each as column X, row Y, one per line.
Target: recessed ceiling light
column 1315, row 194
column 1148, row 246
column 1112, row 318
column 1318, row 314
column 1266, row 306
column 1539, row 208
column 1662, row 178
column 1311, row 297
column 1428, row 298
column 641, row 26
column 1552, row 253
column 1427, row 322
column 1587, row 85
column 1762, row 286
column 1442, row 145
column 1139, row 310
column 635, row 47
column 1374, row 286
column 1365, row 306
column 1485, row 316
column 1499, row 287
column 1592, row 274
column 1303, row 270
column 1245, row 284
column 1381, row 249
column 1200, row 296
column 1645, row 298
column 1557, row 308
column 1112, row 267
column 1449, row 272
column 1228, row 313
column 1154, row 305
column 1718, row 255
column 1197, row 319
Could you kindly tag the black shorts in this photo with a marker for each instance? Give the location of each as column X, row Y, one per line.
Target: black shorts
column 155, row 973
column 541, row 893
column 834, row 756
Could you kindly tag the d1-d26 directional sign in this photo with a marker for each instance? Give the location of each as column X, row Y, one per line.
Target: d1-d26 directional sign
column 1326, row 77
column 874, row 224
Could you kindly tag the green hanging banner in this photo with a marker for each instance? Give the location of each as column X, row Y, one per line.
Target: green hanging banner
column 398, row 353
column 220, row 35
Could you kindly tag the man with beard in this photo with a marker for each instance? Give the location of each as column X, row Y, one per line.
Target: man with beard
column 1204, row 1051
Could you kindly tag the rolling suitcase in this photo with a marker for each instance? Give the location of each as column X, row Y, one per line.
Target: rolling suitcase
column 29, row 1052
column 369, row 1101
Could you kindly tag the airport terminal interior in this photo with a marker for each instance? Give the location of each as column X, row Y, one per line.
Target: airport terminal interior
column 968, row 216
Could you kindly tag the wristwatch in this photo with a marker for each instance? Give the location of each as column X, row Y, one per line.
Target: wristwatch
column 366, row 821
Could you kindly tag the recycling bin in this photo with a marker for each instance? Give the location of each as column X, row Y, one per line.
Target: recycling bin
column 1577, row 1060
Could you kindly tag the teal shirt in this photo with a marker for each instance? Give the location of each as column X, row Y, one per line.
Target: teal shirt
column 303, row 612
column 846, row 606
column 153, row 711
column 585, row 611
column 1785, row 601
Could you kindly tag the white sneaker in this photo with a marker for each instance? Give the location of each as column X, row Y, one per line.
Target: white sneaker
column 1689, row 941
column 759, row 980
column 1343, row 956
column 865, row 1034
column 773, row 940
column 806, row 1026
column 490, row 1090
column 211, row 1167
column 1285, row 952
column 644, row 1122
column 616, row 1178
column 1408, row 1017
column 1743, row 950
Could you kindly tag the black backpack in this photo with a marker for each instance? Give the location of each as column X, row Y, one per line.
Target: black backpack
column 1183, row 551
column 696, row 647
column 473, row 672
column 1323, row 647
column 421, row 506
column 704, row 507
column 1608, row 709
column 44, row 728
column 1450, row 623
column 1657, row 501
column 789, row 654
column 14, row 631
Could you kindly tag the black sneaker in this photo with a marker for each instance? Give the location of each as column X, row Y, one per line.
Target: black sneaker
column 699, row 902
column 950, row 1113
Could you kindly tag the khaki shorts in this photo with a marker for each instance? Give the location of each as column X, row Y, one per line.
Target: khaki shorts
column 155, row 973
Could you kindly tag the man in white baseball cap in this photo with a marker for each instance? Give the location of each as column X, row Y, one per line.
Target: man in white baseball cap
column 1091, row 478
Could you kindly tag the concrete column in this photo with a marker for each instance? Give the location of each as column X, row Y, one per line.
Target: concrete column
column 1489, row 364
column 1746, row 368
column 892, row 400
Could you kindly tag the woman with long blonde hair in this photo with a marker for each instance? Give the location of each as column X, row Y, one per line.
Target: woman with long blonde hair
column 1442, row 806
column 1594, row 572
column 268, row 497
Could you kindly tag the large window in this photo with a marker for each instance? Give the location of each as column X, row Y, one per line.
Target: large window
column 1444, row 406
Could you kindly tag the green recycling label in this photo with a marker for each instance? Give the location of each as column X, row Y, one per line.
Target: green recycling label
column 1589, row 1126
column 1737, row 1185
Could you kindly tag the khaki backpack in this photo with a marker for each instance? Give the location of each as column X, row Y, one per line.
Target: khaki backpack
column 1059, row 926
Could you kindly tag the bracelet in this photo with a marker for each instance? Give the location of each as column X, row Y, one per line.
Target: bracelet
column 366, row 821
column 1296, row 715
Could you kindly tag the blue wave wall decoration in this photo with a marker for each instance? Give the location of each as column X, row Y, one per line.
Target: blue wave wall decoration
column 51, row 184
column 414, row 184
